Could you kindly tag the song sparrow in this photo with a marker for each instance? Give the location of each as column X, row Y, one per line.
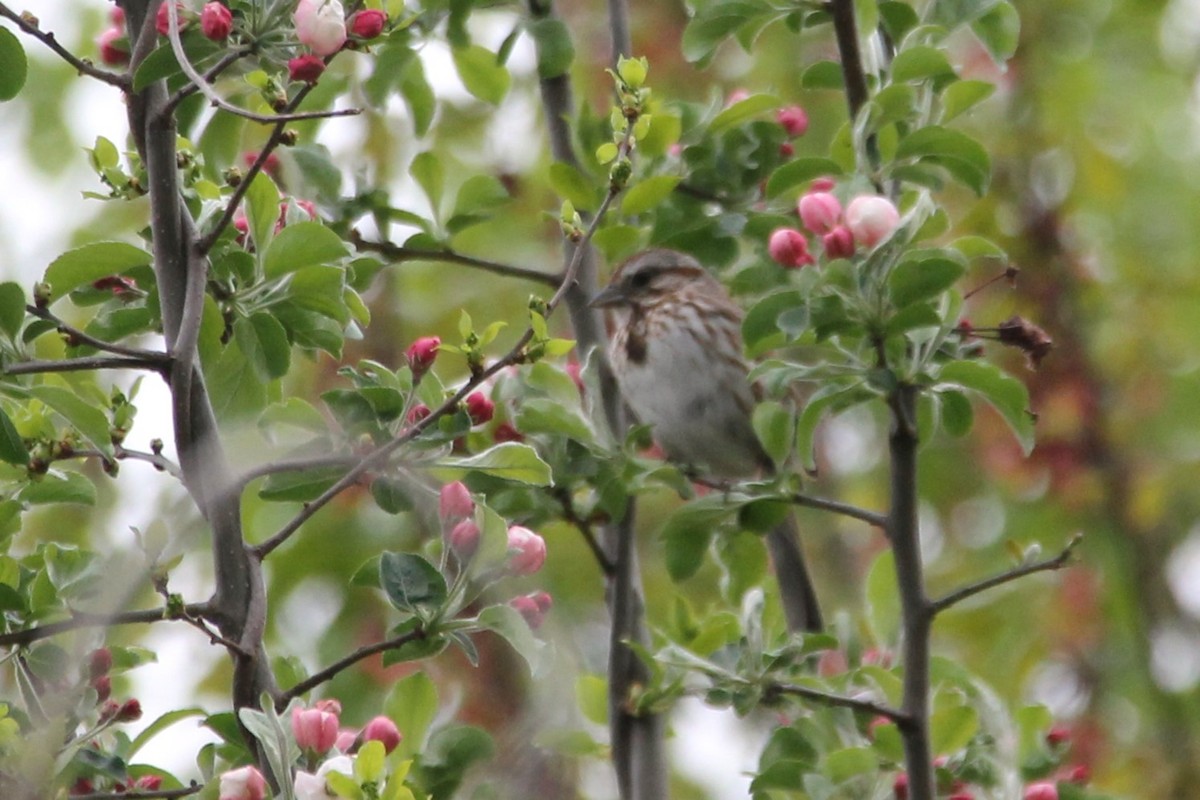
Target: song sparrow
column 676, row 350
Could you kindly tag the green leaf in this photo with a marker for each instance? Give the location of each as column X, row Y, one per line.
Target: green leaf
column 12, row 448
column 265, row 344
column 481, row 73
column 67, row 487
column 761, row 329
column 411, row 581
column 555, row 50
column 12, row 308
column 412, row 704
column 712, row 25
column 479, row 193
column 823, row 75
column 508, row 622
column 999, row 30
column 921, row 63
column 571, row 184
column 591, row 695
column 743, row 111
column 918, row 315
column 920, row 279
column 1004, row 392
column 960, row 96
column 645, row 195
column 883, row 599
column 957, row 153
column 319, row 289
column 300, row 245
column 90, row 421
column 369, row 762
column 773, row 424
column 235, row 389
column 842, row 765
column 154, row 728
column 898, row 18
column 427, row 171
column 511, row 461
column 687, row 534
column 13, row 65
column 300, row 485
column 798, row 171
column 543, row 415
column 417, row 93
column 391, row 495
column 89, row 263
column 950, row 729
column 262, row 211
column 957, row 415
column 829, row 399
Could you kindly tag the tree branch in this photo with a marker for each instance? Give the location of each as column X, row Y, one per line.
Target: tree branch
column 397, row 253
column 854, row 76
column 872, row 518
column 82, row 619
column 187, row 90
column 1046, row 565
column 162, row 794
column 585, row 529
column 837, row 700
column 316, row 679
column 85, row 363
column 293, row 465
column 29, row 26
column 78, row 337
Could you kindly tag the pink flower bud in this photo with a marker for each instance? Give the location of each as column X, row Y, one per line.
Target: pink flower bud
column 116, row 15
column 576, row 374
column 455, row 503
column 822, row 185
column 463, row 539
column 382, row 729
column 838, row 243
column 368, row 23
column 320, row 24
column 1041, row 790
column 315, row 730
column 130, row 711
column 100, row 661
column 417, row 413
column 162, row 20
column 871, row 219
column 1058, row 734
column 900, row 786
column 526, row 551
column 533, row 607
column 505, row 432
column 306, row 68
column 114, row 51
column 793, row 119
column 270, row 166
column 216, row 21
column 345, row 739
column 109, row 710
column 787, row 150
column 788, row 247
column 422, row 353
column 479, row 408
column 1079, row 774
column 329, row 706
column 819, row 211
column 736, row 96
column 243, row 783
column 149, row 783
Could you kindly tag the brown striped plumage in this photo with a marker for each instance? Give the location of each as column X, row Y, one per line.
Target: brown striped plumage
column 675, row 345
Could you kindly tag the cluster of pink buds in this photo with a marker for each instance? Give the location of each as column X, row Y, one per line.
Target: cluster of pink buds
column 459, row 530
column 794, row 121
column 533, row 607
column 868, row 220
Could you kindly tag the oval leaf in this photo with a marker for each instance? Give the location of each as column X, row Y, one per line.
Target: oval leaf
column 303, row 244
column 481, row 73
column 12, row 448
column 646, row 194
column 1004, row 392
column 916, row 280
column 90, row 421
column 511, row 460
column 89, row 263
column 13, row 65
column 410, row 581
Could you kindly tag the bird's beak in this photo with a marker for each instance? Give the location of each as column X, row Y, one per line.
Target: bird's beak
column 610, row 295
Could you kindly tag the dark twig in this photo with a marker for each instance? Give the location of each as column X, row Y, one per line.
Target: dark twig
column 872, row 518
column 212, row 73
column 317, row 678
column 157, row 460
column 295, row 465
column 162, row 794
column 120, row 80
column 86, row 363
column 845, row 29
column 837, row 700
column 82, row 619
column 397, row 254
column 1046, row 565
column 78, row 337
column 563, row 496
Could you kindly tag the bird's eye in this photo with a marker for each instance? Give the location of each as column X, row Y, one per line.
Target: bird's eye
column 640, row 280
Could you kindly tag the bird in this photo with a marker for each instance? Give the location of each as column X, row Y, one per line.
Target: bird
column 675, row 349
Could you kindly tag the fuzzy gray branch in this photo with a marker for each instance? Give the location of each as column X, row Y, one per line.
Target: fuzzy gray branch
column 29, row 25
column 397, row 254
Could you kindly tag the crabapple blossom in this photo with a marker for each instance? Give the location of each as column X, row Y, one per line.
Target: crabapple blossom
column 788, row 247
column 819, row 211
column 871, row 219
column 321, row 25
column 243, row 783
column 526, row 551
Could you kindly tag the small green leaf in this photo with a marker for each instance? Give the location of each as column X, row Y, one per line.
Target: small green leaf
column 999, row 30
column 66, row 487
column 511, row 461
column 645, row 195
column 320, row 289
column 479, row 193
column 743, row 111
column 823, row 75
column 571, row 184
column 954, row 151
column 842, row 765
column 13, row 65
column 950, row 729
column 773, row 424
column 369, row 762
column 957, row 415
column 760, row 327
column 299, row 486
column 391, row 495
column 412, row 704
column 824, row 401
column 302, row 244
column 713, row 24
column 410, row 581
column 265, row 344
column 508, row 622
column 687, row 535
column 543, row 415
column 898, row 18
column 883, row 600
column 961, row 96
column 262, row 211
column 555, row 50
column 12, row 308
column 918, row 315
column 922, row 63
column 427, row 170
column 481, row 73
column 798, row 171
column 920, row 279
column 86, row 418
column 12, row 448
column 591, row 695
column 417, row 93
column 1004, row 392
column 89, row 263
column 978, row 247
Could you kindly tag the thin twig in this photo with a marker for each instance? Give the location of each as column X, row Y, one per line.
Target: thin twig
column 82, row 619
column 1046, row 565
column 120, row 80
column 78, row 337
column 398, row 253
column 220, row 102
column 160, row 794
column 317, row 678
column 187, row 90
column 563, row 495
column 156, row 460
column 840, row 701
column 86, row 363
column 294, row 465
column 872, row 518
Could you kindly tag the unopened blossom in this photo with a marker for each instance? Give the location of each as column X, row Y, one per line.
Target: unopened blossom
column 526, row 551
column 321, row 25
column 871, row 219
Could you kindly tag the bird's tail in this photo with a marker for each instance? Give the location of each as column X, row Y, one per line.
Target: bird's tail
column 800, row 605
